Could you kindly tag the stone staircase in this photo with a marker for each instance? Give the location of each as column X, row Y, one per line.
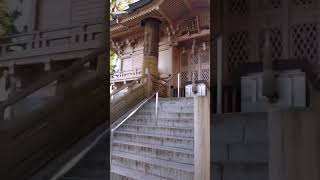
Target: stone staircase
column 150, row 148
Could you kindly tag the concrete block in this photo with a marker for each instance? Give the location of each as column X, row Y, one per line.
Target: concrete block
column 248, row 153
column 228, row 131
column 245, row 172
column 215, row 172
column 218, row 152
column 256, row 130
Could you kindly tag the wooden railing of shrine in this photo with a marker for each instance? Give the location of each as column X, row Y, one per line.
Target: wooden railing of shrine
column 129, row 95
column 126, row 75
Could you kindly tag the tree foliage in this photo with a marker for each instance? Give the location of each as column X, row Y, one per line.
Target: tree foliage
column 113, row 59
column 119, row 5
column 7, row 19
column 4, row 18
column 115, row 7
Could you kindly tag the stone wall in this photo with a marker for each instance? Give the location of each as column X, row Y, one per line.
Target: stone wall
column 239, row 146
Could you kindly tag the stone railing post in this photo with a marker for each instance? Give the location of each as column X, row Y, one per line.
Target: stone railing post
column 202, row 137
column 64, row 84
column 102, row 64
column 9, row 111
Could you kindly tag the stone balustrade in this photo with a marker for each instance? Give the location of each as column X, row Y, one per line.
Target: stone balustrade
column 57, row 41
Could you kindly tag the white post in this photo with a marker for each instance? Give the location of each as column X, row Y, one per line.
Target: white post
column 157, row 98
column 219, row 76
column 178, row 85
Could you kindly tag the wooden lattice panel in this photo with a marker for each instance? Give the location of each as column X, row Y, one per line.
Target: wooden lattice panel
column 193, row 59
column 204, row 56
column 303, row 2
column 270, row 4
column 304, row 41
column 184, row 59
column 239, row 7
column 184, row 77
column 196, row 75
column 275, row 39
column 238, row 49
column 205, row 74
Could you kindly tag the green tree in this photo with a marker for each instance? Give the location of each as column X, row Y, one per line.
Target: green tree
column 7, row 19
column 113, row 59
column 117, row 6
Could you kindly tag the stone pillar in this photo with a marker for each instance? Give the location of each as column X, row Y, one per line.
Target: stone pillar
column 9, row 111
column 47, row 67
column 276, row 143
column 294, row 138
column 202, row 137
column 151, row 45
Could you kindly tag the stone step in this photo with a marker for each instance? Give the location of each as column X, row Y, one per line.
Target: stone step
column 169, row 109
column 86, row 173
column 95, row 155
column 96, row 164
column 114, row 176
column 184, row 123
column 156, row 167
column 173, row 116
column 159, row 140
column 79, row 178
column 173, row 99
column 160, row 152
column 122, row 173
column 187, row 102
column 159, row 130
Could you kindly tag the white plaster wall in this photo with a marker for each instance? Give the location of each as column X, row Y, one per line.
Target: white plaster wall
column 165, row 62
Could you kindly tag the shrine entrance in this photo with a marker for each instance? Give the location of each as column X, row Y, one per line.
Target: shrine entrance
column 195, row 60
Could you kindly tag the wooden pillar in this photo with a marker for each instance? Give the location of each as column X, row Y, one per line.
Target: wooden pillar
column 151, row 45
column 202, row 137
